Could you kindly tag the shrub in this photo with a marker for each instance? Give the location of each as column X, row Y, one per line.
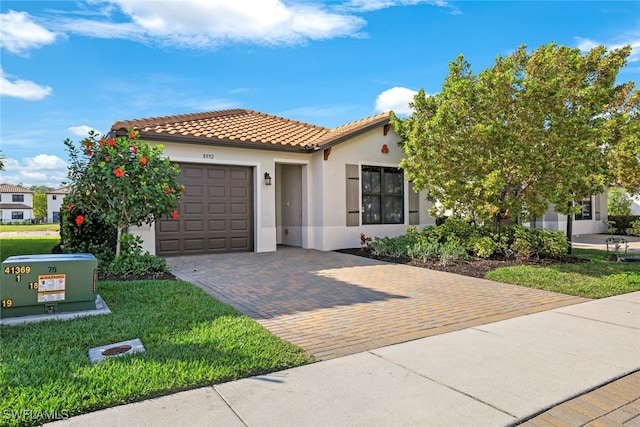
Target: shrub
column 132, row 260
column 485, row 247
column 618, row 202
column 452, row 251
column 424, row 250
column 94, row 237
column 621, row 223
column 634, row 230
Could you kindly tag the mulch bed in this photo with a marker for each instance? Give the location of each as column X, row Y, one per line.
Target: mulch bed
column 128, row 277
column 476, row 267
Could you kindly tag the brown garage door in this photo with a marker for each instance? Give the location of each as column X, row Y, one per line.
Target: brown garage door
column 216, row 212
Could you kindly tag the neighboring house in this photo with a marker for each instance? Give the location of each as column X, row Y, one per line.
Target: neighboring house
column 16, row 203
column 635, row 205
column 54, row 204
column 254, row 181
column 589, row 221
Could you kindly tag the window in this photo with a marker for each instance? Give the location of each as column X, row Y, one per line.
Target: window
column 54, row 197
column 382, row 195
column 586, row 210
column 17, row 215
column 17, row 198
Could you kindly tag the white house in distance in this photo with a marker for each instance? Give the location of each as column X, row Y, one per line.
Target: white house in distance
column 16, row 203
column 255, row 181
column 589, row 221
column 54, row 204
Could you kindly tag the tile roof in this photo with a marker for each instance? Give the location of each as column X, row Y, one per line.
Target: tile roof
column 15, row 206
column 246, row 128
column 10, row 188
column 61, row 190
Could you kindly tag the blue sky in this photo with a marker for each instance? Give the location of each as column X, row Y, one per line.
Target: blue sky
column 69, row 66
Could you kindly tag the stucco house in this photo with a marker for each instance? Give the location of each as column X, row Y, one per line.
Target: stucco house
column 54, row 204
column 589, row 221
column 255, row 181
column 16, row 203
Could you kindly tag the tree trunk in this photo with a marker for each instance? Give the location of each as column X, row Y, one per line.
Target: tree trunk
column 569, row 228
column 118, row 244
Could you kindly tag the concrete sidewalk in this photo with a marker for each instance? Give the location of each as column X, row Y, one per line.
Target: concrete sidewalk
column 491, row 375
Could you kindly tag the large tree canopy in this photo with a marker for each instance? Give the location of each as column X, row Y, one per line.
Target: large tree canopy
column 550, row 126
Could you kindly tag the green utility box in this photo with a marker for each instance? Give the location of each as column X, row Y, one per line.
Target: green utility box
column 46, row 284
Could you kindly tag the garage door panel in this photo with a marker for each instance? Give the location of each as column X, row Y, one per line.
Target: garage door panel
column 193, row 208
column 239, row 192
column 218, row 244
column 217, row 191
column 217, row 208
column 216, row 212
column 193, row 191
column 239, row 243
column 239, row 225
column 169, row 226
column 239, row 208
column 169, row 247
column 217, row 225
column 188, row 171
column 217, row 173
column 193, row 225
column 239, row 174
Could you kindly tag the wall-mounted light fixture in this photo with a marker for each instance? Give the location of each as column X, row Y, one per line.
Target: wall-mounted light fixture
column 267, row 178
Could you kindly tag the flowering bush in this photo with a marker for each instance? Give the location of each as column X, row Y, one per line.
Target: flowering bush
column 121, row 180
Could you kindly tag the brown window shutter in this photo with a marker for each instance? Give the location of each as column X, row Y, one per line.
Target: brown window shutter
column 353, row 195
column 414, row 205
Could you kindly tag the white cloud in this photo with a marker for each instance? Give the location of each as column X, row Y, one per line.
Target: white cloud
column 396, row 99
column 212, row 23
column 24, row 89
column 43, row 169
column 370, row 5
column 18, row 33
column 586, row 45
column 82, row 131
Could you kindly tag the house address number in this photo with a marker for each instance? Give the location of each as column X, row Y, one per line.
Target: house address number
column 208, row 156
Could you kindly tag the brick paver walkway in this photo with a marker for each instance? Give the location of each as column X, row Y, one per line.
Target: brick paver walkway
column 333, row 304
column 615, row 404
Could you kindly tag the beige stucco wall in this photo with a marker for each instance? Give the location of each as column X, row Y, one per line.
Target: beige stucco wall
column 321, row 191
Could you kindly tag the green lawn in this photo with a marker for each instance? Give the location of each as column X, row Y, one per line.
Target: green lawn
column 191, row 340
column 597, row 278
column 10, row 246
column 35, row 227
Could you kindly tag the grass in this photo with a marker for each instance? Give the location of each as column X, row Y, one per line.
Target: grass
column 35, row 227
column 10, row 246
column 596, row 278
column 191, row 340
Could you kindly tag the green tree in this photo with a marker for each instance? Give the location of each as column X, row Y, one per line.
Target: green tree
column 123, row 181
column 40, row 205
column 618, row 202
column 532, row 130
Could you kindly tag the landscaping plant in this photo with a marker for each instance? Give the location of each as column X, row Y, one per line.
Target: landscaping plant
column 120, row 181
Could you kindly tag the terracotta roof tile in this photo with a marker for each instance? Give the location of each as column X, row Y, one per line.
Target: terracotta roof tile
column 246, row 128
column 10, row 188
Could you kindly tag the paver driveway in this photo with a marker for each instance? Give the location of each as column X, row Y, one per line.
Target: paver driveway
column 333, row 304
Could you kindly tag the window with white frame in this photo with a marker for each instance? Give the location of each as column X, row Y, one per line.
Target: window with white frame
column 587, row 210
column 17, row 198
column 17, row 215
